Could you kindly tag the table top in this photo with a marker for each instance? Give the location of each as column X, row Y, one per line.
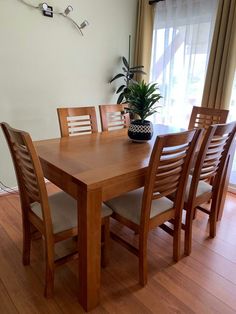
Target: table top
column 97, row 158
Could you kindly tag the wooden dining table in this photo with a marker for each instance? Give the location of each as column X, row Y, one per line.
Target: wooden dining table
column 94, row 168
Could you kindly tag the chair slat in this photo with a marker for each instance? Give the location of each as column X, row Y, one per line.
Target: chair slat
column 166, row 160
column 168, row 167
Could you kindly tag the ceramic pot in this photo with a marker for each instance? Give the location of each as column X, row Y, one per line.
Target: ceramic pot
column 140, row 131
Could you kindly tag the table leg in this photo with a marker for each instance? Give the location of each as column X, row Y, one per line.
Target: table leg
column 89, row 245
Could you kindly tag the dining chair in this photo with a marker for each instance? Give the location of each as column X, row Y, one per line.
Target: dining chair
column 206, row 183
column 146, row 208
column 113, row 117
column 77, row 120
column 54, row 216
column 202, row 117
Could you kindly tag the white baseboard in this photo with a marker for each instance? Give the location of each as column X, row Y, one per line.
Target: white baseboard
column 8, row 191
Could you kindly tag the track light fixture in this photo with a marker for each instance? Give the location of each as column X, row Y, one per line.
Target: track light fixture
column 47, row 10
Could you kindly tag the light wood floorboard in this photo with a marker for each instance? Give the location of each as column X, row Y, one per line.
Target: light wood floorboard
column 204, row 282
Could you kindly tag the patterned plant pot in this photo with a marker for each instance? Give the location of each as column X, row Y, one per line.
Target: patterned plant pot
column 140, row 131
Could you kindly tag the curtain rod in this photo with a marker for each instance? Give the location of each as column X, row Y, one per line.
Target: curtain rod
column 155, row 1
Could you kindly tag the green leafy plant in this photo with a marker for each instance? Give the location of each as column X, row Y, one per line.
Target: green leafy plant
column 128, row 76
column 142, row 99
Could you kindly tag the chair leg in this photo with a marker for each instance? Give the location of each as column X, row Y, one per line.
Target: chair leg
column 143, row 259
column 176, row 240
column 26, row 242
column 188, row 231
column 213, row 220
column 49, row 274
column 105, row 241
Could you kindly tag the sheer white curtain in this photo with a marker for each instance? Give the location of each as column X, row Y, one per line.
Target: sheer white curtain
column 181, row 44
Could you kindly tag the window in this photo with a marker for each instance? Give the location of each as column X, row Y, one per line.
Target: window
column 181, row 44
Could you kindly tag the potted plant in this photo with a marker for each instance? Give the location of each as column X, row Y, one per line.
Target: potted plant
column 128, row 76
column 142, row 99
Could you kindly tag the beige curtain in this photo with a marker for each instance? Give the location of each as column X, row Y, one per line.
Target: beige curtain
column 143, row 44
column 222, row 61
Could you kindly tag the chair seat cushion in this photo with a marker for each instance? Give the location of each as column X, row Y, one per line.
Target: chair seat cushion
column 129, row 205
column 203, row 187
column 64, row 211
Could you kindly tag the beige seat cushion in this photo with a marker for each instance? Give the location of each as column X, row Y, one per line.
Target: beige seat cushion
column 129, row 205
column 64, row 211
column 202, row 188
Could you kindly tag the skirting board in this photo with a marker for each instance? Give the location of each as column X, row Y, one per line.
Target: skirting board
column 8, row 191
column 11, row 190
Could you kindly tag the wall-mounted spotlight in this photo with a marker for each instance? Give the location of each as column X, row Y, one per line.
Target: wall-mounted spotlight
column 84, row 24
column 43, row 6
column 68, row 10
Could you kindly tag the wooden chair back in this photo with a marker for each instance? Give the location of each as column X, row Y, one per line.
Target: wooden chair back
column 202, row 117
column 77, row 121
column 113, row 117
column 211, row 160
column 169, row 168
column 29, row 174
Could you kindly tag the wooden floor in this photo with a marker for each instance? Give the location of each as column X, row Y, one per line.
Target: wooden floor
column 205, row 282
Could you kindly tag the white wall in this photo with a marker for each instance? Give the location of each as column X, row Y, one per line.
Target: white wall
column 45, row 63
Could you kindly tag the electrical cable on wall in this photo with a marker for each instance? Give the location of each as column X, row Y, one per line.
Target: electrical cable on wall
column 47, row 10
column 7, row 189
